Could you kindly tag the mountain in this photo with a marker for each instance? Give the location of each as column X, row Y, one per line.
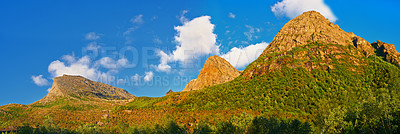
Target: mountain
column 313, row 71
column 216, row 70
column 78, row 87
column 312, row 27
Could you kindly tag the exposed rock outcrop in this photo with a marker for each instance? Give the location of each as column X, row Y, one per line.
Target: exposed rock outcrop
column 387, row 51
column 79, row 87
column 216, row 70
column 309, row 27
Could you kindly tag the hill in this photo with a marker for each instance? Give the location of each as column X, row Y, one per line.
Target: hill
column 216, row 70
column 78, row 87
column 312, row 71
column 72, row 101
column 313, row 74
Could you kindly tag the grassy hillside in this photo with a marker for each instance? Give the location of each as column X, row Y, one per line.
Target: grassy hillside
column 350, row 83
column 316, row 87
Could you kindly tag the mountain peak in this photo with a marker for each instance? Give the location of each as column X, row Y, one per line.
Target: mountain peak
column 311, row 41
column 308, row 27
column 80, row 87
column 216, row 70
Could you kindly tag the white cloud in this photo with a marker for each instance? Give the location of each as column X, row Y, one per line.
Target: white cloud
column 40, row 81
column 231, row 15
column 92, row 36
column 48, row 90
column 138, row 19
column 157, row 40
column 110, row 63
column 136, row 77
column 241, row 57
column 164, row 58
column 250, row 34
column 148, row 76
column 182, row 17
column 130, row 30
column 93, row 46
column 82, row 66
column 293, row 8
column 195, row 38
column 121, row 82
column 69, row 58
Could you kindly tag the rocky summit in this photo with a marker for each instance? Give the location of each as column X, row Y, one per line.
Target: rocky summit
column 79, row 87
column 216, row 70
column 300, row 41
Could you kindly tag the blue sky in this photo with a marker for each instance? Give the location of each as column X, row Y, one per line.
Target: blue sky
column 136, row 45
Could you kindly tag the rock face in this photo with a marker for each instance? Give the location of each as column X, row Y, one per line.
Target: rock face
column 216, row 70
column 80, row 87
column 309, row 27
column 312, row 27
column 387, row 51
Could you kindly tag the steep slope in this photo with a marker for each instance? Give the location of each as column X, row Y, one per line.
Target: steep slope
column 310, row 71
column 333, row 79
column 79, row 87
column 216, row 70
column 304, row 32
column 387, row 51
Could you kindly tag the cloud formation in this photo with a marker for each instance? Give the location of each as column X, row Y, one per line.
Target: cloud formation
column 195, row 38
column 182, row 17
column 136, row 22
column 40, row 81
column 293, row 8
column 82, row 66
column 138, row 19
column 148, row 76
column 231, row 15
column 110, row 63
column 241, row 57
column 92, row 36
column 251, row 33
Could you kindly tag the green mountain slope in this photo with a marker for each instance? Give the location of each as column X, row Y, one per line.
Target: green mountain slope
column 307, row 76
column 312, row 74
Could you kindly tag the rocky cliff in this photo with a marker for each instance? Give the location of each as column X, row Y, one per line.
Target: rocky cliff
column 216, row 70
column 79, row 87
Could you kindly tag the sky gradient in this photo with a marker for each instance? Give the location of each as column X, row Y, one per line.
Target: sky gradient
column 136, row 45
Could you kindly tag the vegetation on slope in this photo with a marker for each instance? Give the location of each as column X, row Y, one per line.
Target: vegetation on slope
column 353, row 87
column 340, row 92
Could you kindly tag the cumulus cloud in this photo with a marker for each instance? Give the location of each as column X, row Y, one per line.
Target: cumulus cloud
column 164, row 58
column 92, row 36
column 40, row 81
column 231, row 15
column 241, row 57
column 148, row 76
column 195, row 38
column 78, row 67
column 82, row 66
column 110, row 63
column 293, row 8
